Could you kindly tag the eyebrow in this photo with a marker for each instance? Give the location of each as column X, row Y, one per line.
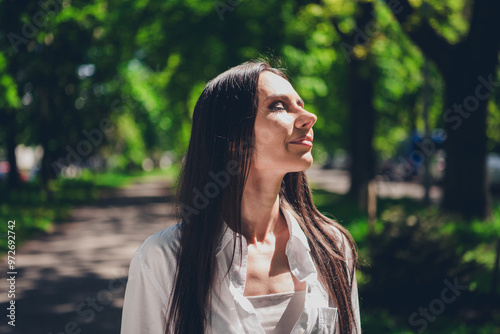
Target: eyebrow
column 284, row 97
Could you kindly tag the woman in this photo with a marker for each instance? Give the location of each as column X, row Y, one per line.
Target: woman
column 252, row 254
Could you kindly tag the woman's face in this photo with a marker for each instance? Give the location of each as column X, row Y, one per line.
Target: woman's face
column 283, row 128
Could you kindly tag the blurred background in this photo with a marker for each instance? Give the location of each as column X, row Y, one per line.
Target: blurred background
column 96, row 100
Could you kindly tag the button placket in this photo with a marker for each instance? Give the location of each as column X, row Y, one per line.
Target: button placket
column 301, row 324
column 245, row 310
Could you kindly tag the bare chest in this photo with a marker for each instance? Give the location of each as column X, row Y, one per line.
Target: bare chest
column 268, row 272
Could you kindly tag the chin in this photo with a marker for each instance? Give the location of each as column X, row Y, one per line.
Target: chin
column 306, row 161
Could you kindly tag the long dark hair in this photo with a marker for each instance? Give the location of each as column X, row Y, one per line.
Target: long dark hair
column 210, row 190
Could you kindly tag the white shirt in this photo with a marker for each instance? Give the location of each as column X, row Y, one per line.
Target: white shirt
column 152, row 270
column 278, row 312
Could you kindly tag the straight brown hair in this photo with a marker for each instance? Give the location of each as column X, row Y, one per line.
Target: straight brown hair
column 221, row 148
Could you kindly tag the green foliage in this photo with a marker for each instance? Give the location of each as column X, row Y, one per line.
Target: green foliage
column 9, row 97
column 494, row 124
column 412, row 251
column 448, row 18
column 158, row 56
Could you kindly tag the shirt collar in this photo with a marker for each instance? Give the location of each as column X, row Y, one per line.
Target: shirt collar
column 296, row 233
column 298, row 250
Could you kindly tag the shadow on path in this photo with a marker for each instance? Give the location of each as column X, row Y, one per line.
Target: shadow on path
column 73, row 280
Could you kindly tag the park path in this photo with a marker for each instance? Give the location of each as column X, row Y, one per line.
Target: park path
column 338, row 181
column 72, row 280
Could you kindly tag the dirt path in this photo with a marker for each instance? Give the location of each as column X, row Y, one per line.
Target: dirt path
column 338, row 181
column 72, row 281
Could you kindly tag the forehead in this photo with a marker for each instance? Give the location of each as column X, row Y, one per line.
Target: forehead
column 273, row 84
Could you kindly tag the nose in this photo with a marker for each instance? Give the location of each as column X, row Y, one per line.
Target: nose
column 306, row 120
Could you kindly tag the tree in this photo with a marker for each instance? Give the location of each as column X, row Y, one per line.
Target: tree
column 468, row 70
column 361, row 110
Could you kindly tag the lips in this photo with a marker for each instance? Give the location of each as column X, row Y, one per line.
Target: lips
column 304, row 140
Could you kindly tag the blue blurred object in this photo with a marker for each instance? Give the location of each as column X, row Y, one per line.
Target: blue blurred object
column 417, row 149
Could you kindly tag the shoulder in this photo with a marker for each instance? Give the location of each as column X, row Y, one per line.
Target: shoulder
column 346, row 245
column 343, row 238
column 161, row 248
column 166, row 238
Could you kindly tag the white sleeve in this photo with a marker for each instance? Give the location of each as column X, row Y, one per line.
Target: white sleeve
column 143, row 306
column 151, row 275
column 354, row 286
column 355, row 303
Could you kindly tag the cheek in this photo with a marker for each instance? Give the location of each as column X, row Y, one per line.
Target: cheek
column 276, row 130
column 264, row 135
column 272, row 132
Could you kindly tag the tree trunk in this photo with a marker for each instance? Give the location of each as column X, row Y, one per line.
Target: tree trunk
column 46, row 172
column 8, row 131
column 13, row 178
column 361, row 112
column 361, row 130
column 468, row 70
column 465, row 179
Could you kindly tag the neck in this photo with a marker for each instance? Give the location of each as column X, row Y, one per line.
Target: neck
column 260, row 210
